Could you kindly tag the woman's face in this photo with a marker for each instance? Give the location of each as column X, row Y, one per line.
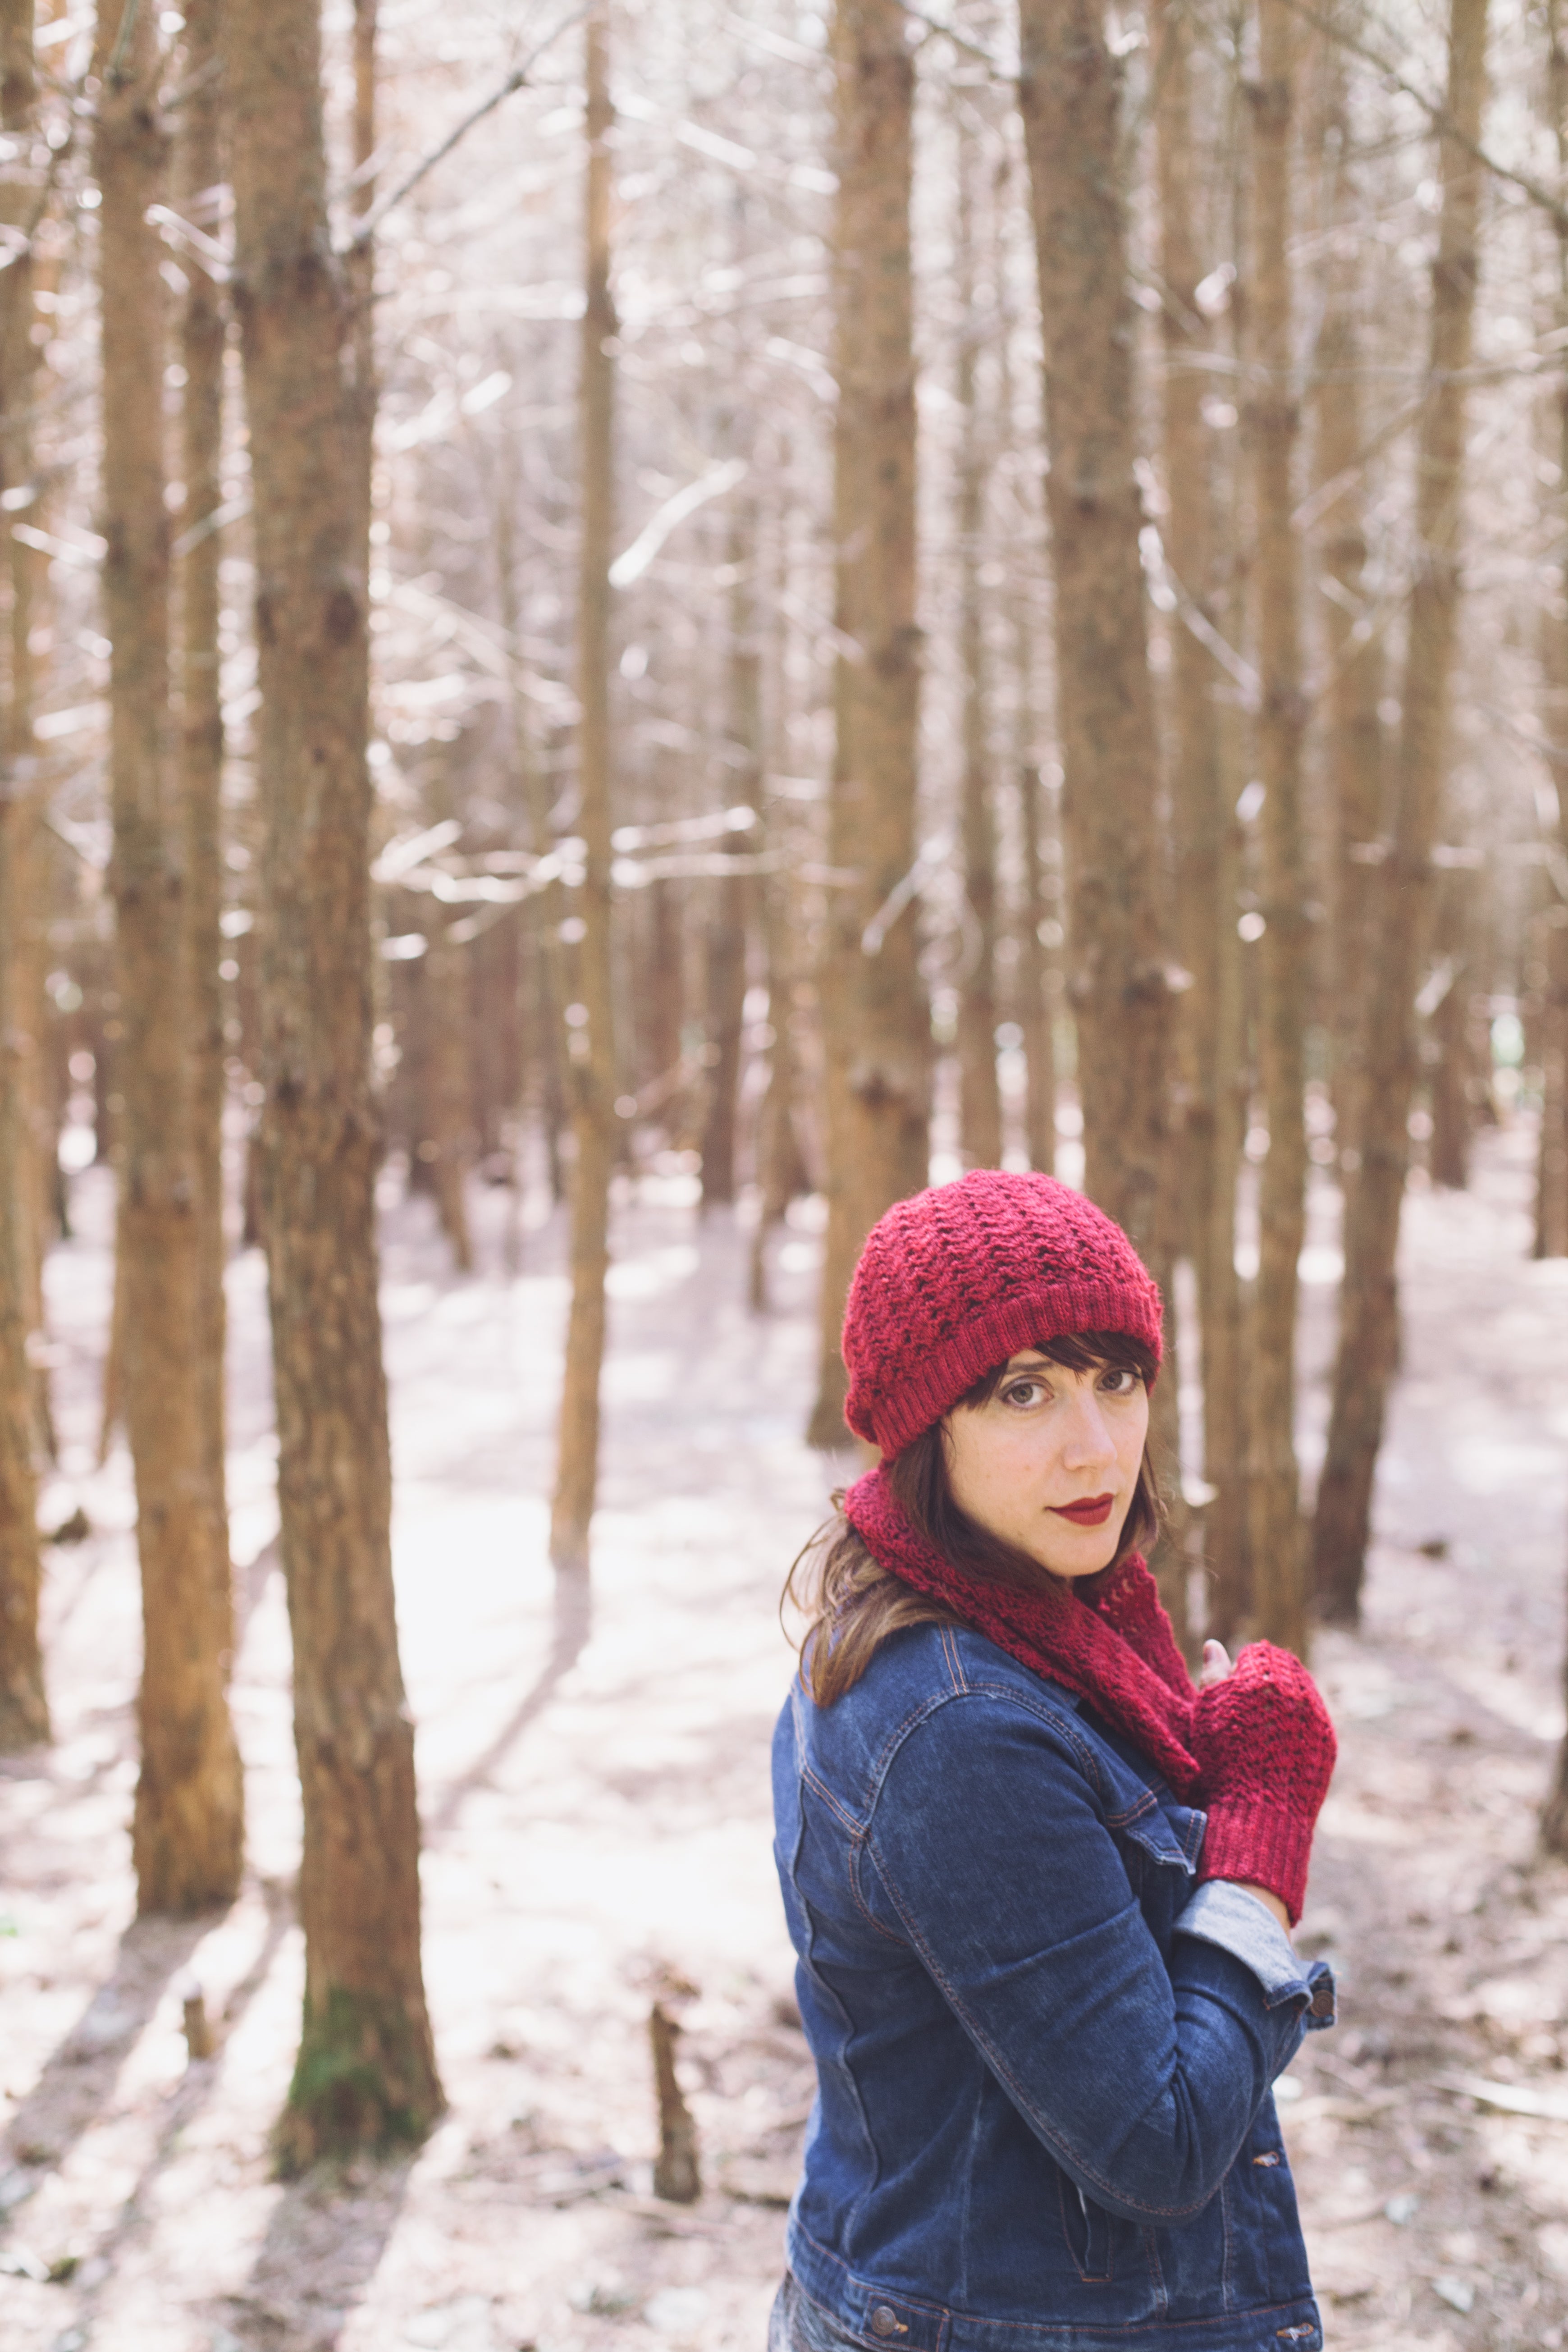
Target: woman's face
column 1049, row 1462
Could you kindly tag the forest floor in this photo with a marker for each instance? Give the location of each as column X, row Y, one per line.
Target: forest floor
column 596, row 1818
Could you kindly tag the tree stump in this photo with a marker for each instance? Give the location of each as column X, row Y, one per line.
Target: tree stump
column 676, row 2174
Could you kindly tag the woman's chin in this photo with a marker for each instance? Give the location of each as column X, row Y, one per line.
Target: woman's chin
column 1081, row 1555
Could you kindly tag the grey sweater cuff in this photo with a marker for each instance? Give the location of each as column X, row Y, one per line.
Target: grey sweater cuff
column 1224, row 1913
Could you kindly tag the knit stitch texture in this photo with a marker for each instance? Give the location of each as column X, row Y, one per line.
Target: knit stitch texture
column 1120, row 1657
column 955, row 1279
column 1267, row 1749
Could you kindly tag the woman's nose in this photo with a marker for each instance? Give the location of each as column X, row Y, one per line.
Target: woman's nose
column 1089, row 1438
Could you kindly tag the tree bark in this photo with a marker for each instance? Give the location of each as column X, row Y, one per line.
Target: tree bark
column 1369, row 1314
column 1280, row 1596
column 449, row 1096
column 24, row 1708
column 781, row 1174
column 1552, row 1163
column 198, row 167
column 1551, row 1159
column 541, row 1023
column 876, row 1032
column 729, row 926
column 591, row 1047
column 1551, row 1171
column 188, row 1828
column 1068, row 91
column 1353, row 733
column 1039, row 979
column 1201, row 804
column 1451, row 1050
column 1037, row 969
column 367, row 2069
column 978, row 1095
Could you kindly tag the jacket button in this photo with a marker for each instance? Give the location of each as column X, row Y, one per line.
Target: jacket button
column 885, row 2321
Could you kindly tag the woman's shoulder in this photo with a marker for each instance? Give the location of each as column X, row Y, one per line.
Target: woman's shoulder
column 942, row 1681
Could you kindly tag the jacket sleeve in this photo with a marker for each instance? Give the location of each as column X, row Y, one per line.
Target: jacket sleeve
column 987, row 1852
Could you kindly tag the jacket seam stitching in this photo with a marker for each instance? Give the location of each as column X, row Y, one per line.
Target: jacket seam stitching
column 1079, row 1751
column 852, row 1872
column 819, row 1788
column 1113, row 2334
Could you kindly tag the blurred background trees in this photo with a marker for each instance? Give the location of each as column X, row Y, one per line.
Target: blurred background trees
column 776, row 601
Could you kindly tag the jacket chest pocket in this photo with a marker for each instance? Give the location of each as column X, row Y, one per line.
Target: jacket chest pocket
column 1088, row 2233
column 1159, row 1845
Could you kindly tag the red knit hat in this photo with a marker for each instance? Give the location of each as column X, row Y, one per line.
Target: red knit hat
column 958, row 1278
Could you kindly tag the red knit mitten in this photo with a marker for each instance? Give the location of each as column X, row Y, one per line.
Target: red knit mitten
column 1265, row 1749
column 1131, row 1606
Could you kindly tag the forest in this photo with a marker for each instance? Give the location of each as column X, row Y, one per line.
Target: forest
column 626, row 632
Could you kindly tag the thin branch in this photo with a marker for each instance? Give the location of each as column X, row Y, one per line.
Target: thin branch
column 961, row 42
column 192, row 85
column 514, row 81
column 113, row 73
column 1438, row 115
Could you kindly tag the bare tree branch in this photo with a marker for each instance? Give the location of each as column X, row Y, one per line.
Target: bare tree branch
column 515, row 81
column 1438, row 115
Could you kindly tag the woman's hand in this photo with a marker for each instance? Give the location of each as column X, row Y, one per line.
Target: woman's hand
column 1263, row 1738
column 1216, row 1665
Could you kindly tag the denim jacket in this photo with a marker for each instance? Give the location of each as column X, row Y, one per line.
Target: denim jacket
column 1043, row 2119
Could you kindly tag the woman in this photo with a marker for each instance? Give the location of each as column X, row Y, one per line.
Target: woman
column 1039, row 1888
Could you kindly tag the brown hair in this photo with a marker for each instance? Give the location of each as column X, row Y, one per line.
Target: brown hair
column 851, row 1604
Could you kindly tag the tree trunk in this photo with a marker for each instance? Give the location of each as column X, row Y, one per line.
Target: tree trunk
column 591, row 1047
column 664, row 1009
column 1202, row 800
column 1450, row 1050
column 1353, row 733
column 541, row 1023
column 367, row 2069
column 1278, row 1561
column 1227, row 1516
column 1068, row 91
column 1227, row 1523
column 24, row 1708
column 1552, row 1171
column 1037, row 968
column 187, row 1835
column 728, row 929
column 361, row 270
column 1552, row 1166
column 726, row 975
column 978, row 1095
column 781, row 1170
column 1039, row 979
column 876, row 1032
column 1551, row 1163
column 781, row 1174
column 1368, row 1341
column 198, row 165
column 449, row 1094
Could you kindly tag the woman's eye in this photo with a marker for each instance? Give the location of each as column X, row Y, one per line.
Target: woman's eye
column 1023, row 1393
column 1120, row 1383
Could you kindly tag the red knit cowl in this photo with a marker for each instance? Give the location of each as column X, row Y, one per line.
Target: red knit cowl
column 1117, row 1653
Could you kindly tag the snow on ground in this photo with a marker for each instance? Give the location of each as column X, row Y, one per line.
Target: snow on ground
column 597, row 1833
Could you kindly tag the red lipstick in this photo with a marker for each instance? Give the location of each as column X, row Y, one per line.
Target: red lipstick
column 1092, row 1512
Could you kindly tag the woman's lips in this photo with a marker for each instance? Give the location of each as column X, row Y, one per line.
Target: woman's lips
column 1092, row 1512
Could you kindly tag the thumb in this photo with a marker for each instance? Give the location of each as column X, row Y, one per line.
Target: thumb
column 1216, row 1665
